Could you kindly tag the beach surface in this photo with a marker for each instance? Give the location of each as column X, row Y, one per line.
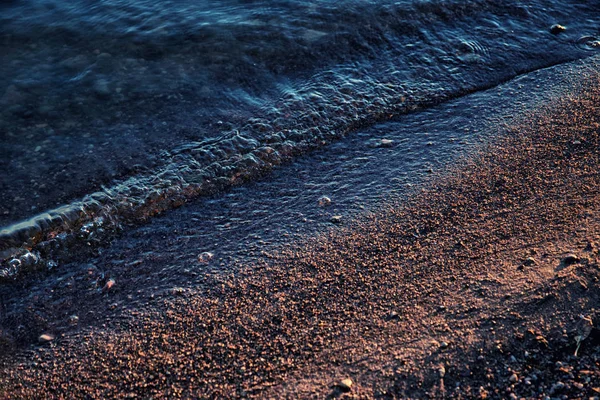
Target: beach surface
column 480, row 284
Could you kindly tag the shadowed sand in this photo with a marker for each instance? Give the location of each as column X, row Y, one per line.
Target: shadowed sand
column 458, row 292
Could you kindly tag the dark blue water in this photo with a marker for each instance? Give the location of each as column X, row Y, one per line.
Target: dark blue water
column 113, row 111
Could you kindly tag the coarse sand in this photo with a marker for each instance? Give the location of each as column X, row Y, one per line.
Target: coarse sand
column 474, row 287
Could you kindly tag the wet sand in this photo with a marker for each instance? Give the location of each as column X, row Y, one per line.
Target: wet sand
column 472, row 288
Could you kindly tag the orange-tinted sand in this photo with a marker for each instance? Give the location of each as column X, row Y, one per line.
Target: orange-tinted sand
column 459, row 292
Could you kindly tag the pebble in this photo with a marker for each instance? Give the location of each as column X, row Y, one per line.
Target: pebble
column 556, row 29
column 557, row 387
column 444, row 345
column 109, row 284
column 324, row 201
column 336, row 219
column 570, row 259
column 101, row 88
column 73, row 320
column 529, row 261
column 205, row 257
column 345, row 385
column 177, row 291
column 441, row 371
column 513, row 378
column 45, row 338
column 392, row 315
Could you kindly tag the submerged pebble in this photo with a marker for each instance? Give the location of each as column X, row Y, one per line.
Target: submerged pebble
column 101, row 88
column 109, row 284
column 324, row 201
column 205, row 257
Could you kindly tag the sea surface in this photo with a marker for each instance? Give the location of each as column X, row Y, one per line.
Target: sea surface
column 112, row 112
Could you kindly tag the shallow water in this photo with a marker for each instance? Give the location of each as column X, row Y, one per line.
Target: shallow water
column 374, row 168
column 116, row 111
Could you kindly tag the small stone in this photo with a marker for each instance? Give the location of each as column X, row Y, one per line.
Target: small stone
column 386, row 143
column 556, row 29
column 558, row 386
column 391, row 316
column 45, row 338
column 578, row 385
column 101, row 88
column 513, row 396
column 444, row 345
column 177, row 291
column 345, row 385
column 441, row 371
column 324, row 201
column 570, row 259
column 513, row 378
column 73, row 320
column 205, row 257
column 109, row 284
column 529, row 261
column 336, row 219
column 590, row 246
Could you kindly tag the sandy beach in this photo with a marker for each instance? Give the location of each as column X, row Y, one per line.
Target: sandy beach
column 474, row 287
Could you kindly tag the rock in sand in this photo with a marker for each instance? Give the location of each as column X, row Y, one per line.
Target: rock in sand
column 345, row 385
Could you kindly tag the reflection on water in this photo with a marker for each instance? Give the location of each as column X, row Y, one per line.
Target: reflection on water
column 119, row 110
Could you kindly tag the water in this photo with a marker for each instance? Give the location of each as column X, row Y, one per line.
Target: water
column 113, row 111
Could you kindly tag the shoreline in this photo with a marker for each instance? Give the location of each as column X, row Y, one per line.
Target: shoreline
column 469, row 275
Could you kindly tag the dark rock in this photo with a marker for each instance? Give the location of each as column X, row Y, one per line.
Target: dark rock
column 556, row 29
column 570, row 259
column 558, row 386
column 590, row 246
column 102, row 89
